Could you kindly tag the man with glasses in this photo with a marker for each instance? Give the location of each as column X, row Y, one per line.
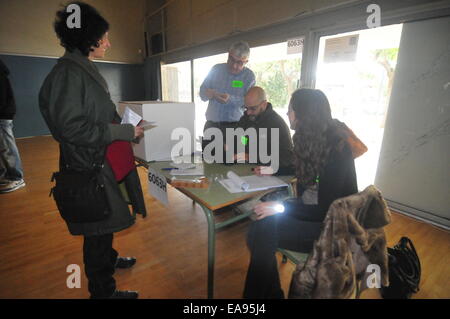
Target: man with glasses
column 260, row 115
column 225, row 88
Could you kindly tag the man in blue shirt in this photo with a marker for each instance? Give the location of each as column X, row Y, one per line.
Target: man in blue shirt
column 225, row 88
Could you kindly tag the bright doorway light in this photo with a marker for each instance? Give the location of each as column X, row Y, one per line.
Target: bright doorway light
column 356, row 70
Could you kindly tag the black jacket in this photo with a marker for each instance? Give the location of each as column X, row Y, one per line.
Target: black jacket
column 77, row 107
column 338, row 180
column 270, row 119
column 7, row 102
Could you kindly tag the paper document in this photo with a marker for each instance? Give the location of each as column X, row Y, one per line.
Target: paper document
column 130, row 117
column 252, row 183
column 147, row 125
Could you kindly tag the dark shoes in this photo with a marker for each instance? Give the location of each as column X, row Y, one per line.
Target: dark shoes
column 124, row 294
column 125, row 262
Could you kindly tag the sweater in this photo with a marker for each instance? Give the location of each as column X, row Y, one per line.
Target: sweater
column 270, row 119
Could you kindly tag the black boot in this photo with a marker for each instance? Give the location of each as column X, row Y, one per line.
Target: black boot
column 125, row 262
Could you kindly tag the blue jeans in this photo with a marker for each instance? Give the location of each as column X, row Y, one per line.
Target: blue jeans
column 10, row 163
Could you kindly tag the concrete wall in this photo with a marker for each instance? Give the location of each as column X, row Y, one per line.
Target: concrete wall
column 26, row 28
column 197, row 21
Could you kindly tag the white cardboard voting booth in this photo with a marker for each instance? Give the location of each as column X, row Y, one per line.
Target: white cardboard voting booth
column 156, row 145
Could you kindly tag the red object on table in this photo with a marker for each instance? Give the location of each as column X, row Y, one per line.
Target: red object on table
column 119, row 155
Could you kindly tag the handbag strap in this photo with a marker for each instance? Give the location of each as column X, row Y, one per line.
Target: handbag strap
column 407, row 253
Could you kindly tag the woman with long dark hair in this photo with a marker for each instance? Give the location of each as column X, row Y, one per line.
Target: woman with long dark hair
column 325, row 171
column 77, row 107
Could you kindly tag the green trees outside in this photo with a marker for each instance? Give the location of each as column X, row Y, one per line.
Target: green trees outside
column 278, row 78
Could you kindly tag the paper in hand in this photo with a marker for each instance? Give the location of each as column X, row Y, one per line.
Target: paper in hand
column 146, row 125
column 130, row 117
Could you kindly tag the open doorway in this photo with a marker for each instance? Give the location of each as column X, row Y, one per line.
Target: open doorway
column 356, row 70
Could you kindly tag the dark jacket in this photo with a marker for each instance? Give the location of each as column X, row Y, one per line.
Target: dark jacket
column 337, row 180
column 77, row 107
column 270, row 119
column 7, row 102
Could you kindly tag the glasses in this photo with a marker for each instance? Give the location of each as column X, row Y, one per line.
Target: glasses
column 233, row 60
column 252, row 108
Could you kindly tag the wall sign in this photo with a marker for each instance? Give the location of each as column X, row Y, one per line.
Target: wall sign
column 342, row 49
column 295, row 45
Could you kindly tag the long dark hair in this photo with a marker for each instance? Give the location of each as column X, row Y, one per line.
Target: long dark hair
column 93, row 27
column 315, row 134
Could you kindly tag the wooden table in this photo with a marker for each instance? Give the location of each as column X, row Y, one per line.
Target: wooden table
column 213, row 198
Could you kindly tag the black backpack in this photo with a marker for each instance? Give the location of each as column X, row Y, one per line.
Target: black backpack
column 404, row 271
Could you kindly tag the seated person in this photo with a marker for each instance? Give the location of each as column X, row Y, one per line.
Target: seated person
column 325, row 171
column 259, row 115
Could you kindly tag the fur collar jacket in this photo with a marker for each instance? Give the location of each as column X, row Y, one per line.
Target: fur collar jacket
column 352, row 238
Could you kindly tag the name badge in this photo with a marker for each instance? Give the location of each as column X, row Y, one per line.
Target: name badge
column 237, row 84
column 311, row 195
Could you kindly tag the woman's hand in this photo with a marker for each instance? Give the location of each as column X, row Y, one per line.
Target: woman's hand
column 263, row 171
column 138, row 131
column 262, row 210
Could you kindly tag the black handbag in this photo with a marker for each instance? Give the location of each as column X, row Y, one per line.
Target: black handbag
column 404, row 271
column 80, row 194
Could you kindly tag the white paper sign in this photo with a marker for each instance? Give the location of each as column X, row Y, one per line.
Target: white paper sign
column 157, row 186
column 295, row 45
column 130, row 117
column 342, row 49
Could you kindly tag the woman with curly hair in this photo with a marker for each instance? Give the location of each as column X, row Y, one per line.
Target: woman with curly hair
column 325, row 171
column 77, row 107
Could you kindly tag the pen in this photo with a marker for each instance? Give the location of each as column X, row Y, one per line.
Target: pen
column 168, row 168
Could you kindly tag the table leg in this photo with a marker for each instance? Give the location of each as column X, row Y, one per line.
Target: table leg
column 211, row 250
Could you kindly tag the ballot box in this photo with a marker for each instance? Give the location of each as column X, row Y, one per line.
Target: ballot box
column 157, row 143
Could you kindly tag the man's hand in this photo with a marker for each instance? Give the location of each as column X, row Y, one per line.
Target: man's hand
column 263, row 171
column 210, row 93
column 138, row 131
column 241, row 157
column 222, row 97
column 262, row 210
